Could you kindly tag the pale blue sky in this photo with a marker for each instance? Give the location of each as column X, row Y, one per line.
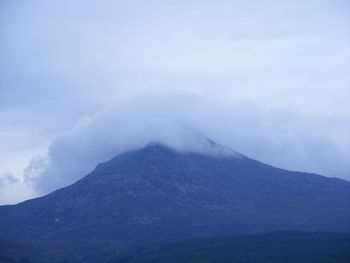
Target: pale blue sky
column 267, row 78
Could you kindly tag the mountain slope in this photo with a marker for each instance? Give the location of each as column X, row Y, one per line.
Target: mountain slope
column 157, row 193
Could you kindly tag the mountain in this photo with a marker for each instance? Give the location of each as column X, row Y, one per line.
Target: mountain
column 157, row 194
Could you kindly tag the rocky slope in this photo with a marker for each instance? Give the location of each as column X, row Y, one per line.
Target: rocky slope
column 157, row 194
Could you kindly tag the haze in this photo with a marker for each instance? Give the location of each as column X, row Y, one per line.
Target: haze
column 82, row 81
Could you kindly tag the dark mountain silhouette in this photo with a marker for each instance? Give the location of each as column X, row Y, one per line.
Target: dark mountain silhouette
column 158, row 194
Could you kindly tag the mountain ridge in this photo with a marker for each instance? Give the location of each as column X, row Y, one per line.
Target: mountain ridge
column 157, row 193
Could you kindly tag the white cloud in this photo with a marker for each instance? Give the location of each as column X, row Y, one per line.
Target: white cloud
column 277, row 68
column 282, row 138
column 14, row 190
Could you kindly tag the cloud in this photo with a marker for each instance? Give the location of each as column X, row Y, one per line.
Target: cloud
column 267, row 78
column 285, row 139
column 14, row 190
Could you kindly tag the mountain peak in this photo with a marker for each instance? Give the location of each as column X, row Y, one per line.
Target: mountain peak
column 159, row 193
column 157, row 150
column 203, row 146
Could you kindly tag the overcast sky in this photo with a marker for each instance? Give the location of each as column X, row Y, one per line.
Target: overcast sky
column 81, row 81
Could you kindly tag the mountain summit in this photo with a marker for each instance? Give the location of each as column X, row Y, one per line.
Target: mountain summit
column 157, row 193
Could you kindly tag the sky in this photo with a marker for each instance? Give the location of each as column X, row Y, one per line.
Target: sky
column 81, row 81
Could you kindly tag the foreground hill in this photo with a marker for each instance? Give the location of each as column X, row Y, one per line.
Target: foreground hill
column 286, row 247
column 159, row 194
column 264, row 248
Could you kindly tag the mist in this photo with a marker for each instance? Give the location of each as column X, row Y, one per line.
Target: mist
column 82, row 82
column 183, row 121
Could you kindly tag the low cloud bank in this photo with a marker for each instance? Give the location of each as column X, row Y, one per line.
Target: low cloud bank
column 182, row 121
